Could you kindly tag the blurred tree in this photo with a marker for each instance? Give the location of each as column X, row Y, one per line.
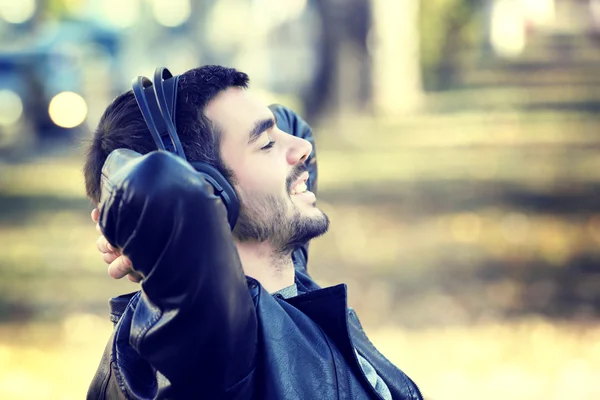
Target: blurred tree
column 343, row 83
column 446, row 27
column 384, row 53
column 395, row 46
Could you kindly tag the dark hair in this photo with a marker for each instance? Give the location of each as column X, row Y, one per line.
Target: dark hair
column 122, row 124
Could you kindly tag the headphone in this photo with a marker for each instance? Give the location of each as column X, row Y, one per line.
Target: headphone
column 157, row 101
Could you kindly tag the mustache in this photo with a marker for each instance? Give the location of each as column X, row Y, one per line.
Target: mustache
column 298, row 170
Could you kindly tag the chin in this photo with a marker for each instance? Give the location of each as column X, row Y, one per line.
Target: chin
column 314, row 211
column 304, row 227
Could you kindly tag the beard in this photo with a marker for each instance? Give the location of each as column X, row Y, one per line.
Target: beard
column 266, row 218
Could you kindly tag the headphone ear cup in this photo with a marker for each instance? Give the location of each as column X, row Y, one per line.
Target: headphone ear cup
column 157, row 101
column 222, row 188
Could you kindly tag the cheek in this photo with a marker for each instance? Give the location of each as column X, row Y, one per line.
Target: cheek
column 260, row 176
column 249, row 180
column 246, row 175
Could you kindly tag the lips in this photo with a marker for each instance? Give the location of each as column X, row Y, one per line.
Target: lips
column 299, row 185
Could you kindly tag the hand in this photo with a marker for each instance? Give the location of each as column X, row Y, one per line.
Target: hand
column 118, row 264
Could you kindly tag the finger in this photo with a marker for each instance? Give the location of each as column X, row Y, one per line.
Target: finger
column 134, row 277
column 119, row 267
column 95, row 215
column 98, row 228
column 102, row 245
column 110, row 257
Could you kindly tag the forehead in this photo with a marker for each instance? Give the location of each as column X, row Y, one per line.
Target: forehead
column 235, row 111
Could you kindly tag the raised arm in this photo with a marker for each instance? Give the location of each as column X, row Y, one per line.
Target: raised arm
column 195, row 314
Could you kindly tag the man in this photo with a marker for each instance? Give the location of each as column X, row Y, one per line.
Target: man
column 224, row 314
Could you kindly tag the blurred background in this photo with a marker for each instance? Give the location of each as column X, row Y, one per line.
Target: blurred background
column 458, row 145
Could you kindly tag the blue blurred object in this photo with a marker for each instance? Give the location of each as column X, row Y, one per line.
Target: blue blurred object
column 53, row 63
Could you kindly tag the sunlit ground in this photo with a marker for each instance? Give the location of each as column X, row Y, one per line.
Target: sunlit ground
column 470, row 245
column 533, row 359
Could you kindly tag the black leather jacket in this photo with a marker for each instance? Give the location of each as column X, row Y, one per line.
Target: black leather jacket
column 199, row 328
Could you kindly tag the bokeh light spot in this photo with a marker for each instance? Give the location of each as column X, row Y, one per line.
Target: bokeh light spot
column 466, row 227
column 128, row 12
column 11, row 107
column 507, row 30
column 17, row 12
column 171, row 13
column 67, row 109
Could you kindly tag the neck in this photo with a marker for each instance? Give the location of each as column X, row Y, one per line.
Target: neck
column 261, row 262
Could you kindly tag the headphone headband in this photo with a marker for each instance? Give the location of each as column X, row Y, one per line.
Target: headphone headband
column 157, row 101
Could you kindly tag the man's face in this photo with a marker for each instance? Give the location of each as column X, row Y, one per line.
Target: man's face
column 269, row 171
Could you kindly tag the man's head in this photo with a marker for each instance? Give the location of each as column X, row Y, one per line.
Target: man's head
column 220, row 123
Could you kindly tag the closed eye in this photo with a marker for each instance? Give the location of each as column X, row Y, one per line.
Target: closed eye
column 268, row 145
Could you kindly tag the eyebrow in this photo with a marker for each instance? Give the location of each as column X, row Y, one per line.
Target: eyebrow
column 259, row 128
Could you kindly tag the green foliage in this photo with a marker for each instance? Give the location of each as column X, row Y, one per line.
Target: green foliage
column 446, row 27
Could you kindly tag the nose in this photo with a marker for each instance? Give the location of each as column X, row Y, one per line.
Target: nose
column 298, row 151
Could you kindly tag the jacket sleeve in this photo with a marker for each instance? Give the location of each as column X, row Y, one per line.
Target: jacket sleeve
column 195, row 314
column 290, row 122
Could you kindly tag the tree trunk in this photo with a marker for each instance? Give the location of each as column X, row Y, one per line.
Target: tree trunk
column 397, row 83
